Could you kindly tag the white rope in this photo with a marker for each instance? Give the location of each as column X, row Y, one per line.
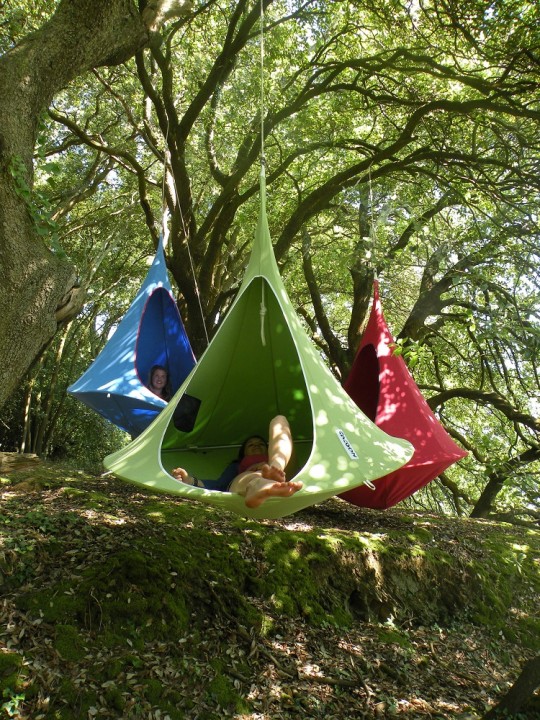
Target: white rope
column 371, row 224
column 165, row 226
column 263, row 309
column 262, row 84
column 164, row 209
column 192, row 267
column 372, row 231
column 262, row 314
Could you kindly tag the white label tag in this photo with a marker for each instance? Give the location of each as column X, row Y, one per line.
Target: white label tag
column 347, row 445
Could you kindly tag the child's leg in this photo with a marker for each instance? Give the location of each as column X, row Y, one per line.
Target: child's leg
column 241, row 482
column 260, row 489
column 257, row 486
column 279, row 443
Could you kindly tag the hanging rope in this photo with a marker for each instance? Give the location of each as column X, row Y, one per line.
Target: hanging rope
column 191, row 265
column 372, row 233
column 263, row 160
column 164, row 210
column 262, row 313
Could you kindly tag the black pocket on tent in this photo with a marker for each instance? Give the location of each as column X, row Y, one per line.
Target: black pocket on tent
column 186, row 412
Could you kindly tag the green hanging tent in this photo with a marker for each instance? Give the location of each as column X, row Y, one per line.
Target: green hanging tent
column 259, row 364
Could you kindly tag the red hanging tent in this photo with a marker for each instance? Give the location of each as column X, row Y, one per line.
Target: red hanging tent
column 384, row 389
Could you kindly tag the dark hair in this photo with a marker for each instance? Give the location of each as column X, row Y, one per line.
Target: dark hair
column 167, row 388
column 242, row 451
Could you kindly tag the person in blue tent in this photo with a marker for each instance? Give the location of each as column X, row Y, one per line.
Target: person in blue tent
column 259, row 471
column 158, row 382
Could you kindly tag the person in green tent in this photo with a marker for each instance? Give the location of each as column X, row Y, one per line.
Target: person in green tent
column 259, row 471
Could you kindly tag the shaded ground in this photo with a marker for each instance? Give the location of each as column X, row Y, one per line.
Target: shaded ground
column 118, row 604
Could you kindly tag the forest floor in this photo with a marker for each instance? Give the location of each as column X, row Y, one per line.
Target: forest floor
column 116, row 603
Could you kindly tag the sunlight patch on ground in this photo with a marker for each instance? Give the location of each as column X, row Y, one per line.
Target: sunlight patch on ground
column 102, row 518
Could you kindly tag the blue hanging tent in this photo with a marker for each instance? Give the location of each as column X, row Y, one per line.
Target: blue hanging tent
column 151, row 333
column 259, row 364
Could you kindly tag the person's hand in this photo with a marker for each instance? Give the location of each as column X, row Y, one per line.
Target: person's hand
column 182, row 475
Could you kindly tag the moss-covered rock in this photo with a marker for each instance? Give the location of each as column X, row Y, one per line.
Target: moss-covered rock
column 69, row 643
column 163, row 584
column 73, row 701
column 222, row 693
column 141, row 584
column 57, row 604
column 115, row 698
column 11, row 678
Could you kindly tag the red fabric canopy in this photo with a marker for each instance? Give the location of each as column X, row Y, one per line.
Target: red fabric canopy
column 384, row 389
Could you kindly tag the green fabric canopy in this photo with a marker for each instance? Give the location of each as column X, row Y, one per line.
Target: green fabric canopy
column 259, row 364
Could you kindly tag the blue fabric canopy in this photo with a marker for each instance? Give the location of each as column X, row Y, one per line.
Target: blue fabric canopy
column 151, row 333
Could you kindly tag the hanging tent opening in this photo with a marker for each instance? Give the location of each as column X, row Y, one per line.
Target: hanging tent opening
column 151, row 333
column 383, row 388
column 260, row 363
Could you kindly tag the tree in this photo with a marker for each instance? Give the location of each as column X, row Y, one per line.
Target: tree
column 39, row 291
column 400, row 141
column 520, row 693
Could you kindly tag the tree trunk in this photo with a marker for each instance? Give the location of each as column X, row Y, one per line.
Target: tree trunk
column 26, row 441
column 38, row 291
column 520, row 692
column 497, row 478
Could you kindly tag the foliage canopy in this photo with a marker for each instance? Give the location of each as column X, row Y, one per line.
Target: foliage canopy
column 401, row 141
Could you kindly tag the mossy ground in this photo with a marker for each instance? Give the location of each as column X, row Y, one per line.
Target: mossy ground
column 123, row 604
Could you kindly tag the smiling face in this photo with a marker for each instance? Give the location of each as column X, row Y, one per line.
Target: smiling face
column 255, row 446
column 159, row 380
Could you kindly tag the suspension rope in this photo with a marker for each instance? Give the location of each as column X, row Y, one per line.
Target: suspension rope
column 372, row 232
column 166, row 163
column 164, row 209
column 263, row 160
column 192, row 268
column 262, row 313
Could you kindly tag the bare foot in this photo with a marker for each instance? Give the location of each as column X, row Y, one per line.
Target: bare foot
column 261, row 490
column 270, row 472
